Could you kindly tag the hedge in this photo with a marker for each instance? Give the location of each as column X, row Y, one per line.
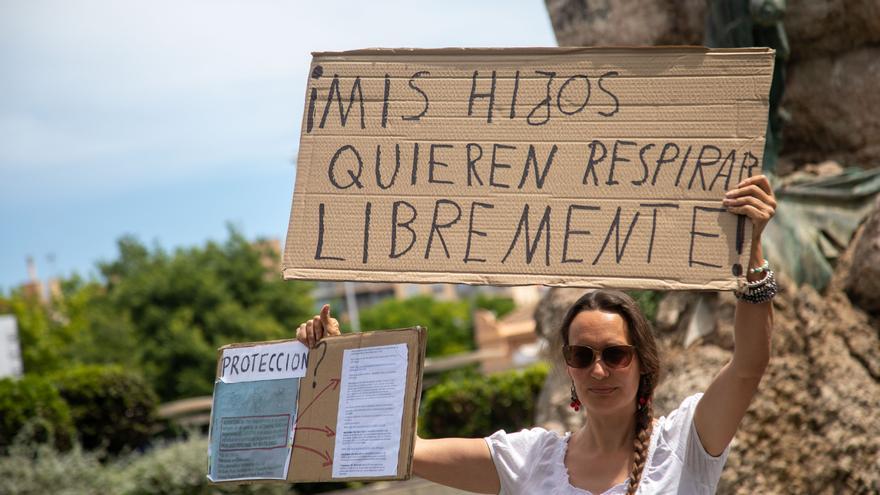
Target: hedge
column 31, row 410
column 167, row 469
column 479, row 406
column 113, row 409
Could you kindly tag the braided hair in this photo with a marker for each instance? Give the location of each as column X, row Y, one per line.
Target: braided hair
column 642, row 338
column 644, row 426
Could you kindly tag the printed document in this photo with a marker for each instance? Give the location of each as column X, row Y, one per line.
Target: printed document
column 370, row 411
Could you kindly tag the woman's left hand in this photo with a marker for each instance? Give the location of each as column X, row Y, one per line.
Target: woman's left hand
column 753, row 198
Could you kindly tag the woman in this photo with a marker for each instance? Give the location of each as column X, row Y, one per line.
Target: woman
column 611, row 358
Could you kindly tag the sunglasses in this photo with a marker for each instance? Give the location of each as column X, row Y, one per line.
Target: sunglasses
column 582, row 356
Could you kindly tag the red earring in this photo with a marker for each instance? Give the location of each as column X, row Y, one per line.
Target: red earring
column 642, row 402
column 575, row 402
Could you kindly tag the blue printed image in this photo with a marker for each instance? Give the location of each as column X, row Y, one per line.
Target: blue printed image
column 251, row 429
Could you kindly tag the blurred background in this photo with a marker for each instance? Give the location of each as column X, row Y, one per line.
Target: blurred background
column 147, row 160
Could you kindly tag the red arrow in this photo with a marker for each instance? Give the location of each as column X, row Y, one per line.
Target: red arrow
column 326, row 429
column 326, row 456
column 334, row 382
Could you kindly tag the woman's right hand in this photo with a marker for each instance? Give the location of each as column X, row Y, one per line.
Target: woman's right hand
column 320, row 326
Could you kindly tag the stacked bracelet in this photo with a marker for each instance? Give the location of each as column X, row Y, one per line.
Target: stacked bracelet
column 759, row 291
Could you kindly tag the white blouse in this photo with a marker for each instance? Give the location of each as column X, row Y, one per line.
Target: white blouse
column 533, row 461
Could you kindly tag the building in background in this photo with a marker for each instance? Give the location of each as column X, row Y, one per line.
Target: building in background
column 34, row 288
column 10, row 349
column 509, row 342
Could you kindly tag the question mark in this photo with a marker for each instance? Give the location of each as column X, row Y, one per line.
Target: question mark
column 315, row 374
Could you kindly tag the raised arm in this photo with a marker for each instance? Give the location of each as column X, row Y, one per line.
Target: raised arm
column 728, row 397
column 463, row 463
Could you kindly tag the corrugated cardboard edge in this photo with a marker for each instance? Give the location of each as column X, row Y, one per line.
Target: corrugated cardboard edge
column 542, row 51
column 503, row 279
column 414, row 424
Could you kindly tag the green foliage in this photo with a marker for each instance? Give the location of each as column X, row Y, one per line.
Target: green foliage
column 648, row 301
column 163, row 313
column 173, row 469
column 501, row 306
column 76, row 328
column 113, row 409
column 180, row 469
column 32, row 410
column 448, row 322
column 476, row 407
column 186, row 305
column 31, row 469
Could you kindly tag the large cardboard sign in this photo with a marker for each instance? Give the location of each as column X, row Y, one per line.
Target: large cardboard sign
column 592, row 167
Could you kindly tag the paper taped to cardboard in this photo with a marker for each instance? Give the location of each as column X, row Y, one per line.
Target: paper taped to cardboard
column 275, row 361
column 368, row 422
column 567, row 167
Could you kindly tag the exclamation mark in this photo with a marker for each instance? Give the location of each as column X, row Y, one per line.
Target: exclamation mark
column 740, row 240
column 317, row 72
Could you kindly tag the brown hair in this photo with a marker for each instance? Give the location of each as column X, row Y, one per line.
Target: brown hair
column 642, row 338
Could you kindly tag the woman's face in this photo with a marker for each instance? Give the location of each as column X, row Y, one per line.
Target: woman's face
column 601, row 389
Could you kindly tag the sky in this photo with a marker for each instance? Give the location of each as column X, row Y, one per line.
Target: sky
column 169, row 120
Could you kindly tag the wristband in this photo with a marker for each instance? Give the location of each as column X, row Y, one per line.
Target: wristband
column 759, row 291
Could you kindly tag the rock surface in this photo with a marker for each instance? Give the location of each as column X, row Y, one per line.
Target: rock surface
column 863, row 282
column 828, row 27
column 863, row 279
column 627, row 22
column 815, row 28
column 835, row 108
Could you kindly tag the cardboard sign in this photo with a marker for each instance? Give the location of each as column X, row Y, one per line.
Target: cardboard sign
column 347, row 413
column 591, row 167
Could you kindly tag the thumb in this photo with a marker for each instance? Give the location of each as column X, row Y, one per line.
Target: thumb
column 325, row 315
column 331, row 326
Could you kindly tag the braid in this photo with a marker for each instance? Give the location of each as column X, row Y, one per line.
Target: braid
column 644, row 426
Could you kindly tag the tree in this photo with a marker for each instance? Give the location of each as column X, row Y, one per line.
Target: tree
column 185, row 305
column 73, row 329
column 450, row 330
column 162, row 313
column 501, row 306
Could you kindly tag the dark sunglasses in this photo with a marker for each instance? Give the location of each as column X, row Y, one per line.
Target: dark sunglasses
column 582, row 356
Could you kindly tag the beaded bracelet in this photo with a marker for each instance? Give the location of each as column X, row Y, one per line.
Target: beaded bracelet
column 763, row 268
column 759, row 291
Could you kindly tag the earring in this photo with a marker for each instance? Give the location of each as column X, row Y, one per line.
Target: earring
column 575, row 402
column 643, row 399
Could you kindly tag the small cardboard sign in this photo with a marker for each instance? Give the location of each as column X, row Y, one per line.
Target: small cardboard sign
column 347, row 413
column 591, row 167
